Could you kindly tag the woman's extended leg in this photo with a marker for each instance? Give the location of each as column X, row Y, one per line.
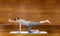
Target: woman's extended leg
column 45, row 21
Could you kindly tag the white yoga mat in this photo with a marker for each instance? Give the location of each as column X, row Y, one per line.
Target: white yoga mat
column 26, row 32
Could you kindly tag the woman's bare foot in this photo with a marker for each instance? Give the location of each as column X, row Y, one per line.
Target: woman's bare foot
column 48, row 21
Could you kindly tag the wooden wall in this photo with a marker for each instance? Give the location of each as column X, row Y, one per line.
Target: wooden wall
column 35, row 10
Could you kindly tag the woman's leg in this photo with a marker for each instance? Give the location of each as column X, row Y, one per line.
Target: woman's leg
column 34, row 23
column 46, row 21
column 40, row 22
column 29, row 28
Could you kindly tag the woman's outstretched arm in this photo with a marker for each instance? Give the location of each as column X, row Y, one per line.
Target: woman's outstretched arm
column 12, row 20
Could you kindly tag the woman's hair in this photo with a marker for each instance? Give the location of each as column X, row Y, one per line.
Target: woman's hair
column 16, row 19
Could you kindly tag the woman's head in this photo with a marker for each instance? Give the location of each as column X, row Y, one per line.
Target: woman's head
column 15, row 19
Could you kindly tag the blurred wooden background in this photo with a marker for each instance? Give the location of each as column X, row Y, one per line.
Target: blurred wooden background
column 33, row 10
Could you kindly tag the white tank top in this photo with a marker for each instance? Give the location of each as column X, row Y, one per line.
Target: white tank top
column 24, row 22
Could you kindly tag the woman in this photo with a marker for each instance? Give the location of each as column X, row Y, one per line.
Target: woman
column 29, row 24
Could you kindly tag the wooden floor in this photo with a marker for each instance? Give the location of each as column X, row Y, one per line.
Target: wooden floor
column 7, row 34
column 53, row 30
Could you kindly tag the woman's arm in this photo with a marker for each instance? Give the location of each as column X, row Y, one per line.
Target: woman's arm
column 16, row 21
column 20, row 26
column 12, row 20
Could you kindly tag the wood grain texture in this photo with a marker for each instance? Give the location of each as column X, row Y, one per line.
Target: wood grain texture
column 33, row 10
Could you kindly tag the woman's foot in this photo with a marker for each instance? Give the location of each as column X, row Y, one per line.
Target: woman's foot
column 48, row 21
column 29, row 32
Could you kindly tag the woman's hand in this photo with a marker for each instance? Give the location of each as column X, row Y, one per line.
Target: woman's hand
column 9, row 20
